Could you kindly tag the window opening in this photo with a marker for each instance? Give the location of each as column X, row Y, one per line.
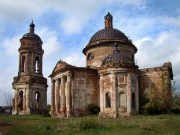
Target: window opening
column 108, row 100
column 37, row 64
column 90, row 56
column 133, row 100
column 37, row 100
column 23, row 64
column 20, row 105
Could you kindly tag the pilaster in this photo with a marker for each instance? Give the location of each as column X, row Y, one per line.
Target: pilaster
column 101, row 93
column 24, row 100
column 52, row 97
column 63, row 103
column 68, row 95
column 57, row 96
column 114, row 94
column 129, row 94
column 27, row 101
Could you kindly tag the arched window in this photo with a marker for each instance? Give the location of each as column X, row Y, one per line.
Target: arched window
column 133, row 100
column 23, row 64
column 108, row 100
column 122, row 99
column 90, row 56
column 37, row 64
column 20, row 105
column 37, row 100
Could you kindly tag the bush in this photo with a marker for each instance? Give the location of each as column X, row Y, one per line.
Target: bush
column 158, row 102
column 153, row 109
column 176, row 103
column 175, row 110
column 94, row 109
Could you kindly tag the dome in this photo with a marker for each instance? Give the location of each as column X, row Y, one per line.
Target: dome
column 108, row 33
column 31, row 36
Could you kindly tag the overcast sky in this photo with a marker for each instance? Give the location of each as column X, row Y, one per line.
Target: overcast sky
column 66, row 26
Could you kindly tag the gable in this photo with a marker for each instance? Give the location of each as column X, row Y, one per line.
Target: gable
column 59, row 66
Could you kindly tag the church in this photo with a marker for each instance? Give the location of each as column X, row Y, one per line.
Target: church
column 110, row 80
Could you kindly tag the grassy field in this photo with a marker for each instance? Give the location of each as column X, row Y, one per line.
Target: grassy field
column 91, row 125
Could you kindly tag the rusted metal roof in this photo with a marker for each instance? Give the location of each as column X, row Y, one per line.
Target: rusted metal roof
column 108, row 34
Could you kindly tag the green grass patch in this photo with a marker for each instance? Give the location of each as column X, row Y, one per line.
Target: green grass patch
column 90, row 125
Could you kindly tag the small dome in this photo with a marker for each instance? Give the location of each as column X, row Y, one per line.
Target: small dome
column 31, row 36
column 117, row 57
column 108, row 34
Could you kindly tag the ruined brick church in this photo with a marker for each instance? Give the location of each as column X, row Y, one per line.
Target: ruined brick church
column 110, row 80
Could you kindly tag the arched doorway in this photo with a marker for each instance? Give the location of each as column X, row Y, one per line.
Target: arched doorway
column 37, row 100
column 20, row 105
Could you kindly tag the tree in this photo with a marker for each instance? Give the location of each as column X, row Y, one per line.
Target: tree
column 8, row 99
column 160, row 100
column 176, row 102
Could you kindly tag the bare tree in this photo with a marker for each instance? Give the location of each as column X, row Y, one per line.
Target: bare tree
column 8, row 99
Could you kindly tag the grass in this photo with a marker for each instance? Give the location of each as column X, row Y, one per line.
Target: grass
column 91, row 125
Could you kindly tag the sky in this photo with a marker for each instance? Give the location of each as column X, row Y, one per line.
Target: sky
column 66, row 26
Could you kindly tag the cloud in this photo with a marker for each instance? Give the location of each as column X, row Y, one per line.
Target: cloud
column 129, row 2
column 11, row 45
column 76, row 60
column 51, row 44
column 75, row 14
column 20, row 9
column 5, row 82
column 172, row 20
column 71, row 25
column 162, row 48
column 153, row 52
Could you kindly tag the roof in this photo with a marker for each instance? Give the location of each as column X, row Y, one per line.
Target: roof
column 109, row 34
column 118, row 59
column 31, row 36
column 63, row 66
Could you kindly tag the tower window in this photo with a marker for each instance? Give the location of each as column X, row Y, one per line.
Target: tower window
column 108, row 100
column 37, row 64
column 23, row 64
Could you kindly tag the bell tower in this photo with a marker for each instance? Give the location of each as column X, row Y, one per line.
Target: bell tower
column 30, row 86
